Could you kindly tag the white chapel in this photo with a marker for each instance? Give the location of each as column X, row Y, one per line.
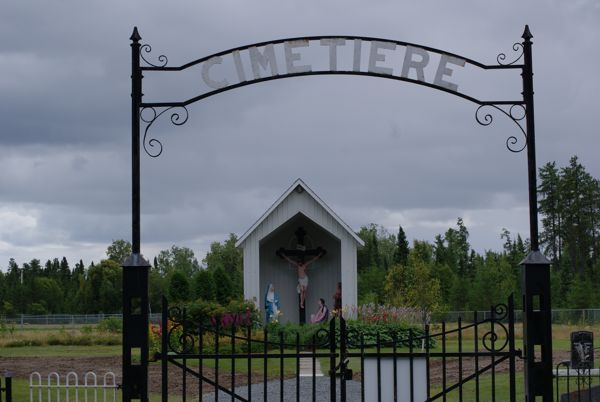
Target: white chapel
column 299, row 220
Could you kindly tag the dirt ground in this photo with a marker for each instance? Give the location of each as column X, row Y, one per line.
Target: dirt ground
column 22, row 367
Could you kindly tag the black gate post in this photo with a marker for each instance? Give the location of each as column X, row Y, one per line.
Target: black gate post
column 332, row 360
column 537, row 317
column 135, row 267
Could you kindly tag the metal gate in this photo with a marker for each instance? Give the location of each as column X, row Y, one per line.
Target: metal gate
column 460, row 361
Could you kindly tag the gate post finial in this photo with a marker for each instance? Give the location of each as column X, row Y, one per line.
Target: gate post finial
column 135, row 35
column 527, row 34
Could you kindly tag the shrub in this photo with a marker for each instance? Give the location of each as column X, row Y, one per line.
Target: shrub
column 207, row 314
column 204, row 286
column 376, row 313
column 113, row 325
column 289, row 331
column 179, row 286
column 23, row 342
column 359, row 331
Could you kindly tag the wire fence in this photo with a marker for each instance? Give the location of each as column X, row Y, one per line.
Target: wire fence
column 65, row 319
column 559, row 316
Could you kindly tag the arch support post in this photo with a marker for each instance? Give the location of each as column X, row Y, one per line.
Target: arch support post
column 537, row 327
column 537, row 314
column 135, row 267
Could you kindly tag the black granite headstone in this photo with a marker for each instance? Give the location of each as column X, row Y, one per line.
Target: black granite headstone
column 582, row 350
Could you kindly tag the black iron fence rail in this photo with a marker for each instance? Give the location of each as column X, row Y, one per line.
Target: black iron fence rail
column 304, row 355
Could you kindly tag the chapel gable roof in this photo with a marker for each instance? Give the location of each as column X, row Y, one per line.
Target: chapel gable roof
column 302, row 185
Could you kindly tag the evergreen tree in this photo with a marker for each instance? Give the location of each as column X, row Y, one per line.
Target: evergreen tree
column 224, row 289
column 463, row 249
column 551, row 210
column 401, row 254
column 575, row 183
column 79, row 269
column 49, row 294
column 204, row 286
column 157, row 288
column 368, row 256
column 179, row 287
column 229, row 258
column 64, row 274
column 495, row 279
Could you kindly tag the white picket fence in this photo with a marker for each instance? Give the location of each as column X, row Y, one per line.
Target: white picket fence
column 71, row 390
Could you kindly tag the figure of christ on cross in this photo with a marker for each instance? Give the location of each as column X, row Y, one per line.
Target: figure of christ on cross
column 302, row 268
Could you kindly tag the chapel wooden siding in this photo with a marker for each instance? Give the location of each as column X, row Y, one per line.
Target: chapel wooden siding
column 299, row 206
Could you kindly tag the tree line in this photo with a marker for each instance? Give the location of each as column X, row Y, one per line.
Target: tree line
column 569, row 204
column 449, row 274
column 446, row 274
column 55, row 287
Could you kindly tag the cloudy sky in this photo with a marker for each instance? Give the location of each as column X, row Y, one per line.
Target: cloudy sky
column 375, row 150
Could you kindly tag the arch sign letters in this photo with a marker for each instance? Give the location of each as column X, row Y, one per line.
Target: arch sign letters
column 333, row 55
column 264, row 62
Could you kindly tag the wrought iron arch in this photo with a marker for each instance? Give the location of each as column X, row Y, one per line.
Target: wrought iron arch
column 515, row 110
column 520, row 111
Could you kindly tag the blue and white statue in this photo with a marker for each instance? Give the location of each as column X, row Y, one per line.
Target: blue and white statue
column 271, row 304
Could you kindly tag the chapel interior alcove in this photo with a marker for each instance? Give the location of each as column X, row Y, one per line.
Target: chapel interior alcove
column 323, row 274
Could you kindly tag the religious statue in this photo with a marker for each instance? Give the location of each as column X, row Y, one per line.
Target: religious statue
column 322, row 313
column 271, row 304
column 302, row 268
column 297, row 258
column 337, row 299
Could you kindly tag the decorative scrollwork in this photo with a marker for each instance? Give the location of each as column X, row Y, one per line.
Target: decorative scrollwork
column 500, row 311
column 175, row 314
column 498, row 331
column 179, row 116
column 181, row 340
column 490, row 339
column 516, row 112
column 321, row 338
column 180, row 336
column 518, row 48
column 353, row 339
column 162, row 59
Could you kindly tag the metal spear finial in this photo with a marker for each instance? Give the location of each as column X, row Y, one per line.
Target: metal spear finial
column 527, row 33
column 135, row 36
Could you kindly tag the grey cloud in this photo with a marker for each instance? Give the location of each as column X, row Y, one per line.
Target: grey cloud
column 374, row 149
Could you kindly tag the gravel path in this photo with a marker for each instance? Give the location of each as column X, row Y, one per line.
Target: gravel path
column 289, row 391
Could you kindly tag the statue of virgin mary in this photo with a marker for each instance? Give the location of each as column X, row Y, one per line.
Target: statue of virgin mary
column 271, row 304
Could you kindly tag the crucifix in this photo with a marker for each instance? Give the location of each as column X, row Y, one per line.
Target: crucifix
column 298, row 259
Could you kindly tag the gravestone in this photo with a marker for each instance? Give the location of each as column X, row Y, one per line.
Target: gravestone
column 582, row 350
column 582, row 359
